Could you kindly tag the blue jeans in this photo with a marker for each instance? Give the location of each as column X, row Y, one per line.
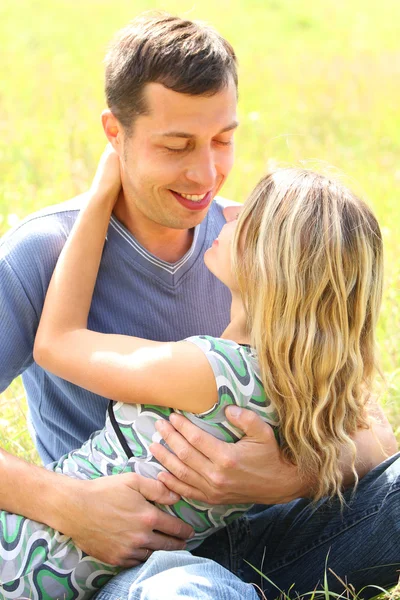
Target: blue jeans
column 171, row 575
column 292, row 544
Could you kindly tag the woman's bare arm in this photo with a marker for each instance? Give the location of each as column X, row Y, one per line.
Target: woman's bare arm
column 122, row 368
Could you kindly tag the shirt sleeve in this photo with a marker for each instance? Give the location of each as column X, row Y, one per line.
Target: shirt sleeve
column 237, row 378
column 27, row 259
column 18, row 326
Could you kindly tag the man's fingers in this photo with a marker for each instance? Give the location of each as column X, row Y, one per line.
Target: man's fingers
column 181, row 488
column 156, row 491
column 129, row 563
column 175, row 466
column 158, row 541
column 151, row 489
column 201, row 445
column 170, row 526
column 139, row 555
column 251, row 424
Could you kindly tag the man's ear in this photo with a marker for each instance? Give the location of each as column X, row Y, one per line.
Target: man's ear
column 112, row 129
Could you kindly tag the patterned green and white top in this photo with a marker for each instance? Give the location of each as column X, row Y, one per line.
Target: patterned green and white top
column 237, row 376
column 40, row 563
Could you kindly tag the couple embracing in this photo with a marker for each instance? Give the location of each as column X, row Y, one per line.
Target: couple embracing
column 186, row 323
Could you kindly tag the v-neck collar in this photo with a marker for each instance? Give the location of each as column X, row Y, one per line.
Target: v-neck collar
column 169, row 273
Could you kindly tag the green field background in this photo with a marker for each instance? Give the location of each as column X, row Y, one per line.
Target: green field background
column 319, row 86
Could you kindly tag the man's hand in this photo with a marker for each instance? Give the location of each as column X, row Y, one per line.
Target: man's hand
column 252, row 470
column 110, row 518
column 209, row 470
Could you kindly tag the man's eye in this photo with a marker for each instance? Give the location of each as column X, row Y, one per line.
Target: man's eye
column 224, row 143
column 176, row 149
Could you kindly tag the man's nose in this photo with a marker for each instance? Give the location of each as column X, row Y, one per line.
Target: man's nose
column 202, row 169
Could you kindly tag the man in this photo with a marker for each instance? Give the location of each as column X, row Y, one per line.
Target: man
column 171, row 88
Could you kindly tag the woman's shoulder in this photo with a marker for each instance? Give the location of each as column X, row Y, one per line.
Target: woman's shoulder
column 237, row 375
column 210, row 342
column 221, row 351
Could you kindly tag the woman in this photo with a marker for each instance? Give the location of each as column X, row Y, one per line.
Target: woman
column 304, row 266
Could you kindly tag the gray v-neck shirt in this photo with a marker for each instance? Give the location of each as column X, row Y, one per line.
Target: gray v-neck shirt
column 136, row 294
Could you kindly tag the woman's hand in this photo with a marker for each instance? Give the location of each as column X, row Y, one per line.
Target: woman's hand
column 69, row 296
column 107, row 180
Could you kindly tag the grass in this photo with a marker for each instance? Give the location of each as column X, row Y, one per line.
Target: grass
column 319, row 85
column 323, row 592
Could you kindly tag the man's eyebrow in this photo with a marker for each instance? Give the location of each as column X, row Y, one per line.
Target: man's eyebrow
column 183, row 134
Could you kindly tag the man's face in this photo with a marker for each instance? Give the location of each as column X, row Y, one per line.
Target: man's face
column 178, row 155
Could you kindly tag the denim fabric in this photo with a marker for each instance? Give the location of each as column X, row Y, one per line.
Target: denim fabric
column 292, row 544
column 171, row 575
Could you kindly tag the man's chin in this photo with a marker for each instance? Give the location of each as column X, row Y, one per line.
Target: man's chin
column 187, row 221
column 195, row 220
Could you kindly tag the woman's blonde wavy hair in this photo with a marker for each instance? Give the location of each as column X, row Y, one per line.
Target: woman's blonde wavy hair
column 309, row 262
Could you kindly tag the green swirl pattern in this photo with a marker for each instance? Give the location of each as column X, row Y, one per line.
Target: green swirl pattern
column 40, row 563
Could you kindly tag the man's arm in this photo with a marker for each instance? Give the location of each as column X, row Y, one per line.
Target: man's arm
column 108, row 518
column 252, row 470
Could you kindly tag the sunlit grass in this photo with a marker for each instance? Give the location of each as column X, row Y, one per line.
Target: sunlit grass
column 323, row 591
column 14, row 434
column 319, row 85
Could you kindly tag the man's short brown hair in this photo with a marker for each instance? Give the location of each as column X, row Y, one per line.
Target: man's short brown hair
column 185, row 56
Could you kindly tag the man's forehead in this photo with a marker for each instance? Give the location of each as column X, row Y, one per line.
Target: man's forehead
column 174, row 112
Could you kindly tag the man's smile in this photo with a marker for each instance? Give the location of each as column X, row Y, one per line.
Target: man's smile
column 193, row 197
column 193, row 201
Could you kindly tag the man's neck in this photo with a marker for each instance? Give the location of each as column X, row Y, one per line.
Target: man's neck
column 167, row 244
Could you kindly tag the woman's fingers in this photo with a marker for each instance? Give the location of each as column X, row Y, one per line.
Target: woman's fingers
column 107, row 179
